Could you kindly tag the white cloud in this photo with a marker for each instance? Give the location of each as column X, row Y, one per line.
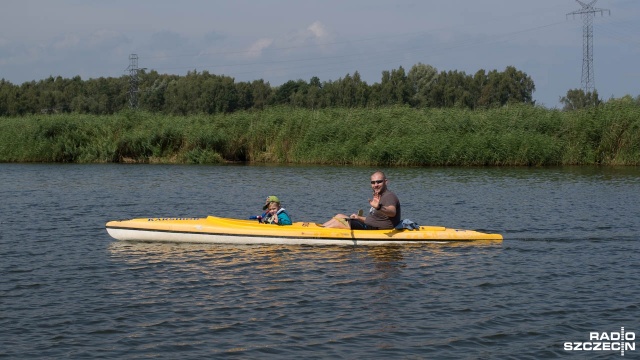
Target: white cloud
column 255, row 50
column 318, row 30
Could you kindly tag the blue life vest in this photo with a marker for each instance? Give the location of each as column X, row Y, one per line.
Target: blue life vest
column 268, row 219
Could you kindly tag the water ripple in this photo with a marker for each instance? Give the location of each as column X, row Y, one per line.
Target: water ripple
column 569, row 266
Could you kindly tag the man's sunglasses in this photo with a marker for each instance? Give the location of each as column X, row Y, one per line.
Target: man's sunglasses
column 376, row 182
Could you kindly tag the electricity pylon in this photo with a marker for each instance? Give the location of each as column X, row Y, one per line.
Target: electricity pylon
column 587, row 12
column 133, row 81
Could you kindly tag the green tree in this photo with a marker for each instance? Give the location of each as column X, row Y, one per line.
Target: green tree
column 153, row 98
column 394, row 88
column 219, row 95
column 578, row 99
column 299, row 97
column 507, row 87
column 285, row 91
column 262, row 94
column 314, row 93
column 178, row 98
column 351, row 91
column 330, row 94
column 7, row 95
column 421, row 78
column 244, row 95
column 450, row 89
column 362, row 91
column 516, row 87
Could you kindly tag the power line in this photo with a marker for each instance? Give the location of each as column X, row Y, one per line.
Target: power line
column 381, row 55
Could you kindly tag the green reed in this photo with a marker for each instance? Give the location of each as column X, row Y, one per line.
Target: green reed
column 394, row 136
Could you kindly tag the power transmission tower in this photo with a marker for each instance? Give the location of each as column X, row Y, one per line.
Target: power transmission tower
column 587, row 12
column 133, row 81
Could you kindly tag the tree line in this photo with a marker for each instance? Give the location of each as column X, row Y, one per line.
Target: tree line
column 205, row 93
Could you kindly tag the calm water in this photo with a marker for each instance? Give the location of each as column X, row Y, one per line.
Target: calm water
column 569, row 265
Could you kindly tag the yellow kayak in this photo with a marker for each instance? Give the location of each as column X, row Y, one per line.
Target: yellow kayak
column 234, row 231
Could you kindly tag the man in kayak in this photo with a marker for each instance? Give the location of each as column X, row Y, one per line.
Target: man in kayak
column 275, row 214
column 383, row 214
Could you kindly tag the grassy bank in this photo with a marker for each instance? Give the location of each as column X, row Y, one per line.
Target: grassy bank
column 518, row 135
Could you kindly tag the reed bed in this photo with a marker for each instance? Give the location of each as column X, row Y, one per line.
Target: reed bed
column 395, row 136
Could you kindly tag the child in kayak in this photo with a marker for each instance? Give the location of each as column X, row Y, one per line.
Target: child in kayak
column 275, row 214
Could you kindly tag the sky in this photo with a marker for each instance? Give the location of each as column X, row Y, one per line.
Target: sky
column 282, row 40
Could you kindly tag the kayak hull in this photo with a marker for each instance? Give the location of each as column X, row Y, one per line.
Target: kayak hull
column 216, row 230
